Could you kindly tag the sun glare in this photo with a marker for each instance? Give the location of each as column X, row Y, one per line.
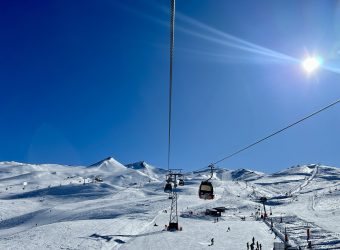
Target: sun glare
column 310, row 64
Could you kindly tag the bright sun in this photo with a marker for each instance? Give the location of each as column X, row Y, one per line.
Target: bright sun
column 311, row 64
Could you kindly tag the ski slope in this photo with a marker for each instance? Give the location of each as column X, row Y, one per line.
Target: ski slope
column 61, row 207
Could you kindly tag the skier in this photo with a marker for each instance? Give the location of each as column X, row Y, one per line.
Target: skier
column 212, row 241
column 228, row 229
column 308, row 233
column 247, row 245
column 271, row 224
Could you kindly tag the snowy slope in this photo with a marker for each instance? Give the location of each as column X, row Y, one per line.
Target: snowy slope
column 62, row 208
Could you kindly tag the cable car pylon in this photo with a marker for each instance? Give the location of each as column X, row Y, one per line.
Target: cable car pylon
column 172, row 178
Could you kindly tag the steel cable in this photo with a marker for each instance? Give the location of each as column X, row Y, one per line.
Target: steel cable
column 277, row 132
column 172, row 40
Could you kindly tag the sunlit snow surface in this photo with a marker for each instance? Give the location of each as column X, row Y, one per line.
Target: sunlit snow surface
column 56, row 210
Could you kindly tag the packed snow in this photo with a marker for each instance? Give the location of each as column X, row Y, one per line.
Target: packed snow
column 109, row 205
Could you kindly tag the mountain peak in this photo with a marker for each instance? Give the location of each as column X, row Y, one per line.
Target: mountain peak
column 108, row 164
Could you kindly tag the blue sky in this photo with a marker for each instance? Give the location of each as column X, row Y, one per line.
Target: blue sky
column 83, row 80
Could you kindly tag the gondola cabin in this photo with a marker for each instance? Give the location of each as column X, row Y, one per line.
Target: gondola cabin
column 206, row 191
column 168, row 188
column 181, row 182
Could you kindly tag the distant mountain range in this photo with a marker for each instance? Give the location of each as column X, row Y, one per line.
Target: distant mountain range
column 115, row 173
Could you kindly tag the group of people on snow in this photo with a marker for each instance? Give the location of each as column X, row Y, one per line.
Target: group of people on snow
column 253, row 246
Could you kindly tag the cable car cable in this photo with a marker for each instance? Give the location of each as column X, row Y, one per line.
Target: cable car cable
column 172, row 40
column 206, row 190
column 277, row 132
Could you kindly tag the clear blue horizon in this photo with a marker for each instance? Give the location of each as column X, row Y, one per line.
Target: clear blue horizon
column 83, row 80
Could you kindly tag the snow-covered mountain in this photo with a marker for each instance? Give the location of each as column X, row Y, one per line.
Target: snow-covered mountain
column 109, row 165
column 225, row 174
column 151, row 171
column 52, row 206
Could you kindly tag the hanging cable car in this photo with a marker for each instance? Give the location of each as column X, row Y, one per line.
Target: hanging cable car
column 180, row 180
column 206, row 190
column 168, row 187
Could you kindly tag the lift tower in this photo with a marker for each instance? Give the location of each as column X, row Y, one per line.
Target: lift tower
column 172, row 178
